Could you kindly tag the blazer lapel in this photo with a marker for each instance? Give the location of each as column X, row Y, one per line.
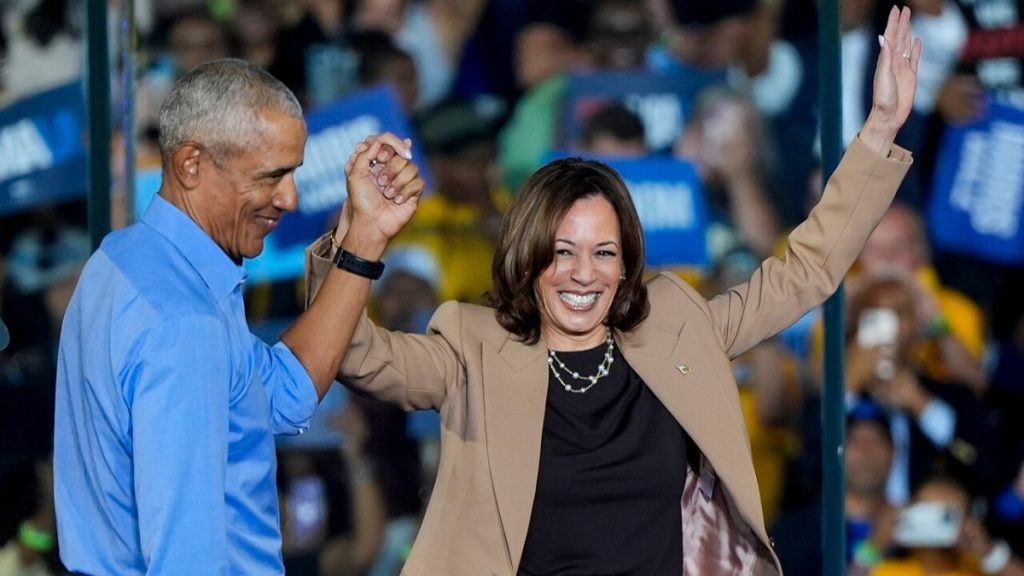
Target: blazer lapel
column 515, row 395
column 683, row 377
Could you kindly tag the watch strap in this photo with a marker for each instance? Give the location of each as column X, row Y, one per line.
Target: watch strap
column 351, row 263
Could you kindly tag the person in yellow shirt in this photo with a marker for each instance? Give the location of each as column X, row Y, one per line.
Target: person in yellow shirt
column 951, row 333
column 457, row 222
column 951, row 326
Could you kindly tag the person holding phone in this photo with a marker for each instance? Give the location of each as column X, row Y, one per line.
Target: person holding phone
column 942, row 537
column 929, row 419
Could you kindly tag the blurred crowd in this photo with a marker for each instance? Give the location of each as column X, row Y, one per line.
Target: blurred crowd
column 934, row 339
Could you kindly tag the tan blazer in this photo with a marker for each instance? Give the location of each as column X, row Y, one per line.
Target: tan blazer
column 490, row 390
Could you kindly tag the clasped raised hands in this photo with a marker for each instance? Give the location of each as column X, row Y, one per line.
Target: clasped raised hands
column 384, row 186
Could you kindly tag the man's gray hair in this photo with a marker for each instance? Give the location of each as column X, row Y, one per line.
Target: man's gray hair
column 217, row 105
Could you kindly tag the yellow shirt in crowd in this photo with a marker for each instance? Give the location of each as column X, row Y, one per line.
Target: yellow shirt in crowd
column 453, row 234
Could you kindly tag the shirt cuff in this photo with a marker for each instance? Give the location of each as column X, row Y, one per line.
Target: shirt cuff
column 938, row 422
column 294, row 400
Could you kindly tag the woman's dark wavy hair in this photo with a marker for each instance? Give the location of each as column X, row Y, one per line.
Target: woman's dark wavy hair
column 526, row 245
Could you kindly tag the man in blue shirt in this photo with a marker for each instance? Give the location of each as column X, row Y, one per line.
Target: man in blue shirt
column 166, row 404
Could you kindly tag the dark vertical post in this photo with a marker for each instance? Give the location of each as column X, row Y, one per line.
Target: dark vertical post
column 832, row 400
column 97, row 95
column 128, row 35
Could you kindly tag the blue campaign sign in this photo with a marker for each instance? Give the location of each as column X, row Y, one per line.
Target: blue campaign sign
column 334, row 131
column 662, row 102
column 977, row 203
column 42, row 154
column 670, row 202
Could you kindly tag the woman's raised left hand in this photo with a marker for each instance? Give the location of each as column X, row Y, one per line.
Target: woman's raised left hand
column 895, row 82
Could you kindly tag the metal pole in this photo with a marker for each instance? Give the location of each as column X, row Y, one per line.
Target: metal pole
column 97, row 95
column 128, row 37
column 832, row 399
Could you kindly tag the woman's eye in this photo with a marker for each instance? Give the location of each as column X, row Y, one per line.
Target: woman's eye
column 563, row 252
column 606, row 253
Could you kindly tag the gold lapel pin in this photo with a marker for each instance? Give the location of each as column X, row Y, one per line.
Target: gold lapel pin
column 684, row 369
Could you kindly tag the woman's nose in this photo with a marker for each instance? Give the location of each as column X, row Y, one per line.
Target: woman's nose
column 583, row 270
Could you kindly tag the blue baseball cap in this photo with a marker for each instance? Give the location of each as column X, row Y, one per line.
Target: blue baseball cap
column 867, row 410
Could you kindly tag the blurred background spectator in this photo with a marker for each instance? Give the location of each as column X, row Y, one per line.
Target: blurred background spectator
column 614, row 131
column 457, row 223
column 382, row 62
column 940, row 534
column 935, row 425
column 951, row 327
column 725, row 138
column 615, row 38
column 869, row 517
column 41, row 265
column 41, row 46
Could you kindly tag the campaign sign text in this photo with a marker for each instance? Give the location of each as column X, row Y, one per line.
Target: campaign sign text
column 42, row 154
column 978, row 200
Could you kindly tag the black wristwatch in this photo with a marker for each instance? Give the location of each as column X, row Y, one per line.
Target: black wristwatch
column 356, row 265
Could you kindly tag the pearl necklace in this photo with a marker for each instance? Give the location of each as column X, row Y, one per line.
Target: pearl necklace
column 602, row 368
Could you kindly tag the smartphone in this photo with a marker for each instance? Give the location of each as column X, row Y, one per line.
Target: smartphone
column 306, row 510
column 877, row 327
column 929, row 525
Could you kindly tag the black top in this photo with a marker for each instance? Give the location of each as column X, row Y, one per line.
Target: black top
column 612, row 469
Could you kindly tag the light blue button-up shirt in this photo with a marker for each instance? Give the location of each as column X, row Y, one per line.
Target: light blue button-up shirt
column 166, row 409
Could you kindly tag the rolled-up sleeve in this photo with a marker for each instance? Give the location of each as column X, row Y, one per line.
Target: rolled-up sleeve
column 290, row 390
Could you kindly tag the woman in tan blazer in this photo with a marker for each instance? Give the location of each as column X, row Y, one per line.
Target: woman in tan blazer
column 533, row 479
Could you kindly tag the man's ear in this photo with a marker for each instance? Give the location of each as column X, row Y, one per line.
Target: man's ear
column 185, row 164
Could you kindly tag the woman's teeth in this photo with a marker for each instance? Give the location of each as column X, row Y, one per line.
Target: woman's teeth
column 578, row 301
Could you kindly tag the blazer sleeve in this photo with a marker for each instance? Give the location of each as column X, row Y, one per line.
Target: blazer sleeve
column 820, row 251
column 412, row 371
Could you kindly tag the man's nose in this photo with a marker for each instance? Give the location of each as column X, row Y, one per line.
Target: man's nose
column 286, row 198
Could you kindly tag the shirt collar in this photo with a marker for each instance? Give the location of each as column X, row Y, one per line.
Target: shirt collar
column 214, row 266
